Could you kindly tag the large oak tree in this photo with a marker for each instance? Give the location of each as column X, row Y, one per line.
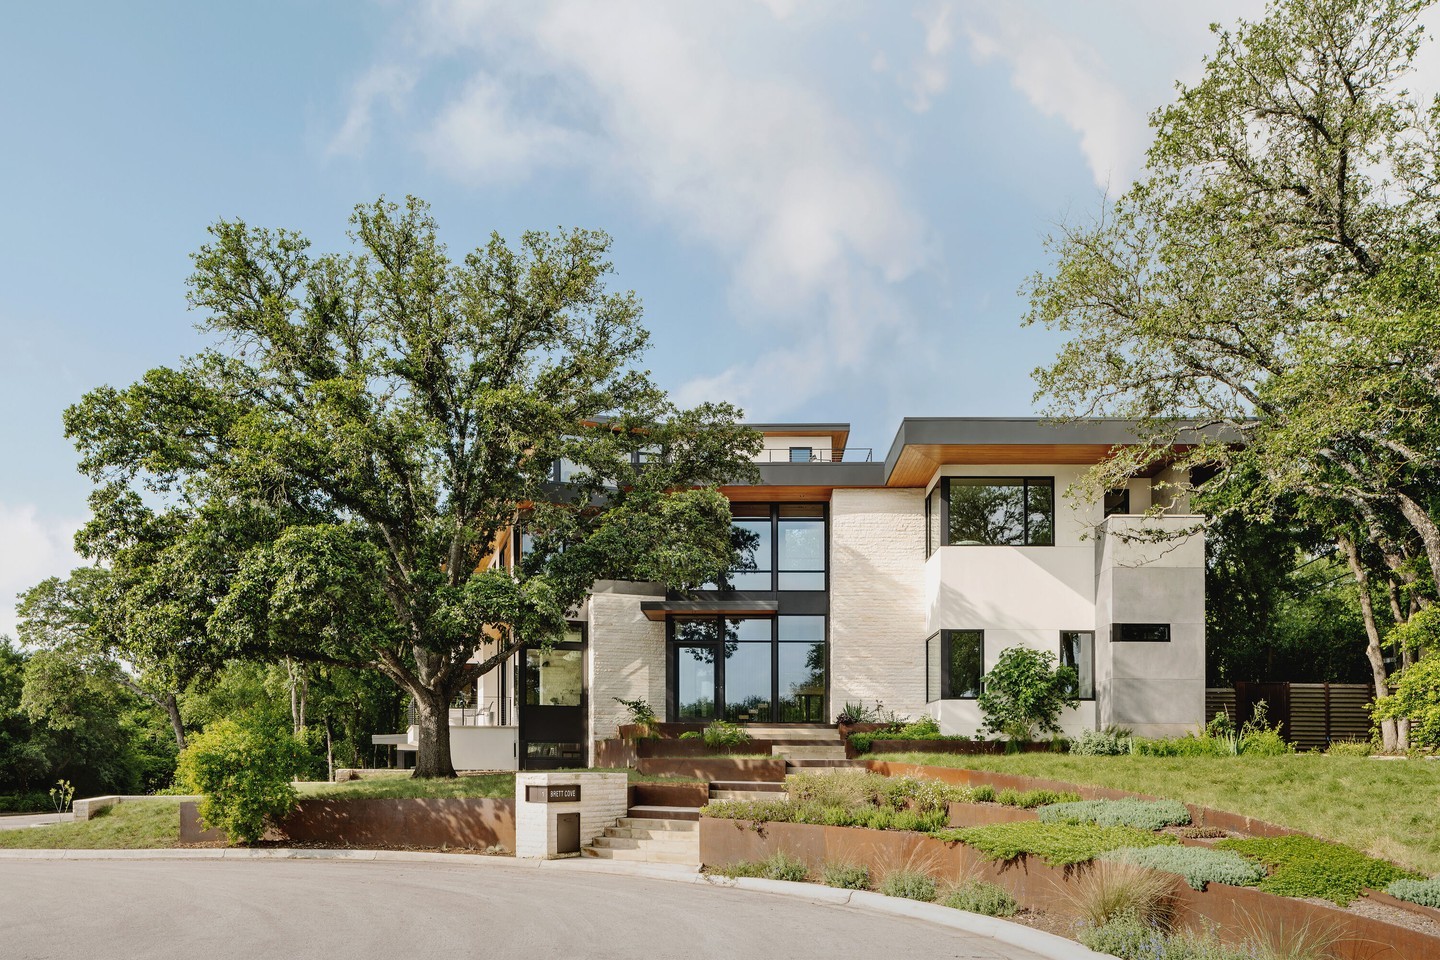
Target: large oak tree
column 368, row 426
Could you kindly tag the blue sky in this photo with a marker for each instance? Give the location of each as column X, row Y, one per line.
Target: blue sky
column 827, row 207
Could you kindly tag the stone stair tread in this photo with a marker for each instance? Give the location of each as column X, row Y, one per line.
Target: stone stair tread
column 625, row 843
column 664, row 813
column 755, row 785
column 647, row 833
column 835, row 763
column 643, row 856
column 660, row 823
column 745, row 795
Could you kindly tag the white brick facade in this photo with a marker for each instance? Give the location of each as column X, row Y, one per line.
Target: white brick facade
column 877, row 599
column 627, row 655
column 603, row 800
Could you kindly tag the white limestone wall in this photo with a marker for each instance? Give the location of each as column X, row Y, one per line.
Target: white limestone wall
column 1156, row 689
column 877, row 599
column 627, row 655
column 604, row 798
column 964, row 717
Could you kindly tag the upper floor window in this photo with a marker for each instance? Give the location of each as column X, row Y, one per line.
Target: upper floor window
column 802, row 454
column 781, row 546
column 998, row 511
column 1117, row 501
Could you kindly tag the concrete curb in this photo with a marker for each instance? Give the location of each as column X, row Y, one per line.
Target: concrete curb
column 1002, row 931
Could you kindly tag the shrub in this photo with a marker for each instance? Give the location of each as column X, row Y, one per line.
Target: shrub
column 778, row 866
column 1198, row 865
column 853, row 713
column 1424, row 892
column 641, row 714
column 979, row 896
column 1350, row 748
column 244, row 771
column 1026, row 691
column 909, row 884
column 722, row 733
column 1030, row 799
column 919, row 729
column 691, row 735
column 846, row 876
column 1416, row 697
column 1100, row 743
column 1306, row 867
column 1142, row 814
column 1109, row 891
column 1058, row 844
column 984, row 793
column 1130, row 939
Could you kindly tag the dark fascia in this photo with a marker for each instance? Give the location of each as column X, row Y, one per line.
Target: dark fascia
column 859, row 474
column 781, row 429
column 1021, row 431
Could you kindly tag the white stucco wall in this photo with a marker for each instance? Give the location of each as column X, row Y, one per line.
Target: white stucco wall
column 627, row 655
column 877, row 599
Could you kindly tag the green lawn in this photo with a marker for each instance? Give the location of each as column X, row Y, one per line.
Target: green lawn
column 1386, row 808
column 401, row 785
column 145, row 824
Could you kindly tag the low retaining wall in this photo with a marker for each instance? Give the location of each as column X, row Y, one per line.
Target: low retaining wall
column 766, row 769
column 669, row 794
column 475, row 824
column 90, row 807
column 696, row 748
column 985, row 814
column 962, row 747
column 1234, row 911
column 1200, row 816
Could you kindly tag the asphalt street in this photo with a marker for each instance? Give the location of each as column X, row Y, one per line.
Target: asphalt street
column 283, row 909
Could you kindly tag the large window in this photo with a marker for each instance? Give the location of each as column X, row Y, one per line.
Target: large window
column 1077, row 650
column 954, row 664
column 749, row 670
column 781, row 546
column 988, row 511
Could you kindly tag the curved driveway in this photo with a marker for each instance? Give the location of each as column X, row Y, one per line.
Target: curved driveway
column 338, row 910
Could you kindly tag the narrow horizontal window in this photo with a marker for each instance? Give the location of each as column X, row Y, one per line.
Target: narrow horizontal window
column 1142, row 632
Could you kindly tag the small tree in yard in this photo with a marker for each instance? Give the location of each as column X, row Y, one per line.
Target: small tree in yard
column 1416, row 697
column 244, row 770
column 1026, row 691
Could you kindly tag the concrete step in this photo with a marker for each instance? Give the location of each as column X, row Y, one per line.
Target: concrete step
column 673, row 824
column 813, row 765
column 810, row 752
column 642, row 856
column 646, row 833
column 659, row 846
column 753, row 785
column 746, row 795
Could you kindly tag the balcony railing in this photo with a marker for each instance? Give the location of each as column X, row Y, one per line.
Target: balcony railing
column 817, row 455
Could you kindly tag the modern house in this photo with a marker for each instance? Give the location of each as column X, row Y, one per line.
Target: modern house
column 895, row 578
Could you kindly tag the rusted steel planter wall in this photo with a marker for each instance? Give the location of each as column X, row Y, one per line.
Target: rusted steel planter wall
column 669, row 794
column 963, row 747
column 766, row 769
column 985, row 814
column 1234, row 911
column 696, row 748
column 1201, row 816
column 457, row 823
column 614, row 753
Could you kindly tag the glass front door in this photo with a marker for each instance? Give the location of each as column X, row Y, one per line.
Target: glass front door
column 552, row 704
column 749, row 670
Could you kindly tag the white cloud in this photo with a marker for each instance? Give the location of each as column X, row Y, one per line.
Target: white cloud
column 32, row 548
column 677, row 106
column 388, row 84
column 932, row 74
column 1063, row 76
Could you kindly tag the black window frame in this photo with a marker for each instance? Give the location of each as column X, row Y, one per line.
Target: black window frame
column 716, row 641
column 1025, row 484
column 1116, row 502
column 776, row 573
column 945, row 638
column 1118, row 630
column 1061, row 658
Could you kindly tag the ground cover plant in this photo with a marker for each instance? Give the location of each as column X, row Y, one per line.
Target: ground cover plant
column 1198, row 865
column 1306, row 867
column 909, row 884
column 1142, row 814
column 1424, row 892
column 138, row 825
column 1058, row 844
column 1131, row 939
column 778, row 866
column 846, row 876
column 923, row 729
column 981, row 896
column 1386, row 809
column 722, row 733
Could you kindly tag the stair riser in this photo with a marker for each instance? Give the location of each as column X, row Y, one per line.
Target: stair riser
column 642, row 856
column 673, row 826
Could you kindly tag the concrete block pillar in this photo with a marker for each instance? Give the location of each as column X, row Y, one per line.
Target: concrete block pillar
column 541, row 798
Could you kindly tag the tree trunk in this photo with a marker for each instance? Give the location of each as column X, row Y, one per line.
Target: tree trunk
column 1388, row 739
column 1429, row 531
column 329, row 752
column 432, row 759
column 176, row 724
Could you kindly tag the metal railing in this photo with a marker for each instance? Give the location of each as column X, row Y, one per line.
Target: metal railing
column 817, row 455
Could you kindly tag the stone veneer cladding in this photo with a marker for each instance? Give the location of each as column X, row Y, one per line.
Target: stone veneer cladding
column 627, row 655
column 603, row 800
column 877, row 599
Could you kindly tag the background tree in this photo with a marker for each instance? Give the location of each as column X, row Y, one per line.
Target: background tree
column 371, row 426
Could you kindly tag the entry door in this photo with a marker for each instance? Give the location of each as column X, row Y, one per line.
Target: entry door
column 553, row 704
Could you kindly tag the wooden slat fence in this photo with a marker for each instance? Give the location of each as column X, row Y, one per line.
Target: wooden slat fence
column 1311, row 715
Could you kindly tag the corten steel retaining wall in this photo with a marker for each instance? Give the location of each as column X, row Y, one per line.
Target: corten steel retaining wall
column 613, row 753
column 696, row 748
column 1234, row 911
column 669, row 794
column 964, row 747
column 394, row 822
column 1200, row 816
column 766, row 769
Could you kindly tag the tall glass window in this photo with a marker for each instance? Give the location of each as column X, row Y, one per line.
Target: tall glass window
column 801, row 540
column 781, row 547
column 751, row 670
column 801, row 658
column 1077, row 651
column 751, row 535
column 984, row 511
column 555, row 678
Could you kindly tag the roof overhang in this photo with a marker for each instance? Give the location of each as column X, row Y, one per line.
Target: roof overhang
column 664, row 609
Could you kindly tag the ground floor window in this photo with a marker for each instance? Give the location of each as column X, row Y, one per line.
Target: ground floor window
column 954, row 664
column 748, row 670
column 1077, row 650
